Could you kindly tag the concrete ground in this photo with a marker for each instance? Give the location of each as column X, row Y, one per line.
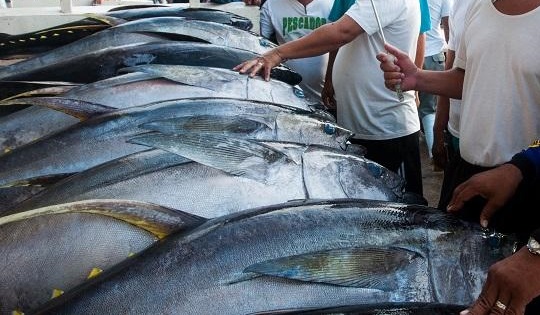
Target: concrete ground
column 431, row 180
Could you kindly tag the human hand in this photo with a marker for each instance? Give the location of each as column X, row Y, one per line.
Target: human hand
column 496, row 185
column 252, row 2
column 263, row 64
column 398, row 69
column 327, row 95
column 510, row 285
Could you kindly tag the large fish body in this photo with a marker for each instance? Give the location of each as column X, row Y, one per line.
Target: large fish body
column 170, row 81
column 239, row 181
column 161, row 83
column 50, row 38
column 28, row 44
column 85, row 66
column 103, row 138
column 202, row 14
column 305, row 256
column 141, row 31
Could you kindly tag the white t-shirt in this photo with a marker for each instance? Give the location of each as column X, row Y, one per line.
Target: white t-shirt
column 365, row 105
column 435, row 41
column 456, row 20
column 290, row 20
column 500, row 112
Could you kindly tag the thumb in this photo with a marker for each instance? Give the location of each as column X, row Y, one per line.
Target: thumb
column 395, row 52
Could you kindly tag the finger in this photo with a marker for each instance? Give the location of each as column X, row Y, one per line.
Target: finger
column 394, row 51
column 382, row 57
column 239, row 67
column 487, row 212
column 515, row 307
column 245, row 66
column 460, row 195
column 389, row 67
column 255, row 66
column 500, row 306
column 393, row 75
column 486, row 300
column 391, row 84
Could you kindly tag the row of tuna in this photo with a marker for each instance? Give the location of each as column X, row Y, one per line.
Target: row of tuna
column 139, row 174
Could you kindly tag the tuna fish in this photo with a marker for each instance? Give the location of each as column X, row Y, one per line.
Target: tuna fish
column 26, row 45
column 29, row 44
column 160, row 83
column 298, row 256
column 103, row 138
column 83, row 66
column 226, row 175
column 201, row 14
column 138, row 32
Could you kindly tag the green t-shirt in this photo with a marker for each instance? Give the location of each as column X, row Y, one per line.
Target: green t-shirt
column 341, row 6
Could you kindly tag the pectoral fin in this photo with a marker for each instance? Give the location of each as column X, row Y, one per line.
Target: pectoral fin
column 232, row 155
column 225, row 125
column 370, row 267
column 76, row 108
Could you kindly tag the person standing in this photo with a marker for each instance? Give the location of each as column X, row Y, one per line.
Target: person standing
column 387, row 127
column 498, row 85
column 434, row 57
column 287, row 20
column 446, row 127
column 411, row 165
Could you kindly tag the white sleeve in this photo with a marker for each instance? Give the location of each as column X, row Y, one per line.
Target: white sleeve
column 266, row 26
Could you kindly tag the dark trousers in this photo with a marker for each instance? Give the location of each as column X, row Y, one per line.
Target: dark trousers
column 400, row 155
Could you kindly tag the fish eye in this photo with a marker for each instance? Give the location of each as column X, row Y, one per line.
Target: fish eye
column 329, row 129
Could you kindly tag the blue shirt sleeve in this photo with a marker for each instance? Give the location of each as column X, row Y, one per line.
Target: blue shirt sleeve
column 528, row 162
column 425, row 17
column 339, row 8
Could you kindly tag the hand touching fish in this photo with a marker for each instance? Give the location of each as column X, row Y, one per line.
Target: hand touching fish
column 261, row 65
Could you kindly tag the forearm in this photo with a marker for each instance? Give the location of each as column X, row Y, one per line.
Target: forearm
column 442, row 112
column 447, row 83
column 330, row 66
column 420, row 50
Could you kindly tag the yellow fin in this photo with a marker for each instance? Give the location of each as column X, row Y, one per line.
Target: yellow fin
column 17, row 312
column 94, row 272
column 56, row 293
column 157, row 220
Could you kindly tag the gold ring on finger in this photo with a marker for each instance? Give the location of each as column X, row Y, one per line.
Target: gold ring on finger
column 500, row 305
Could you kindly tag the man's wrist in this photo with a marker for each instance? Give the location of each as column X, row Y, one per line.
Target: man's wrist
column 525, row 165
